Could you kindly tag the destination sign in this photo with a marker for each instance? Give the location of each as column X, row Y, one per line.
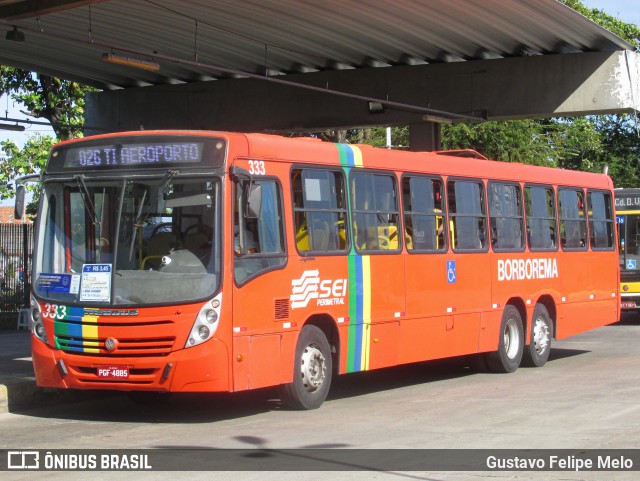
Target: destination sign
column 627, row 201
column 131, row 152
column 117, row 156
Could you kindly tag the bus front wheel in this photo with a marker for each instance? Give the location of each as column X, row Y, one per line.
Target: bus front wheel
column 537, row 351
column 510, row 343
column 312, row 371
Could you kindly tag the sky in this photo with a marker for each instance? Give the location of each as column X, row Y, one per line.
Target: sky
column 626, row 10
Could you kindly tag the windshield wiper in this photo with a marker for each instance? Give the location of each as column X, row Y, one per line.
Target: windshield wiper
column 86, row 197
column 136, row 224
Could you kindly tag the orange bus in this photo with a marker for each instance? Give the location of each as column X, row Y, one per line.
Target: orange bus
column 192, row 261
column 628, row 221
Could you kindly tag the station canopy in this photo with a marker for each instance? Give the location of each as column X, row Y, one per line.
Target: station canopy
column 118, row 44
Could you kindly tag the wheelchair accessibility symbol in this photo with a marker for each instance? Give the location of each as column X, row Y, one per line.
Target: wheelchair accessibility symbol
column 631, row 264
column 451, row 272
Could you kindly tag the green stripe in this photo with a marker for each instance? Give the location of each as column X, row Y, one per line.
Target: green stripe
column 351, row 341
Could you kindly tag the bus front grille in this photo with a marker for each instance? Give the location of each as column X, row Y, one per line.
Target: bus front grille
column 133, row 347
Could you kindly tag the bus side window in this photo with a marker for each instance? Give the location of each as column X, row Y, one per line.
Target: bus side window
column 467, row 215
column 319, row 210
column 375, row 211
column 601, row 222
column 540, row 208
column 423, row 213
column 262, row 247
column 505, row 210
column 573, row 218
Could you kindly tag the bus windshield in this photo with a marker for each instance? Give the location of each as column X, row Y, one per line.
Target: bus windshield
column 129, row 242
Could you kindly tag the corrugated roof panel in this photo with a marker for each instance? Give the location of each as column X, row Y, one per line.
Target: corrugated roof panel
column 292, row 35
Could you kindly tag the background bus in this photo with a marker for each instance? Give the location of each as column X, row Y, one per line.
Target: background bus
column 628, row 221
column 207, row 261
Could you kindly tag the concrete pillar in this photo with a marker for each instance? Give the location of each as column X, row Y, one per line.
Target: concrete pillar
column 424, row 137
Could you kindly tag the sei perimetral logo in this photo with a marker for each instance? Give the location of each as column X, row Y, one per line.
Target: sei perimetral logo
column 309, row 286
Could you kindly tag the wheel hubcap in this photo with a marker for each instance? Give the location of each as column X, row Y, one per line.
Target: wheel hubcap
column 313, row 368
column 511, row 339
column 540, row 336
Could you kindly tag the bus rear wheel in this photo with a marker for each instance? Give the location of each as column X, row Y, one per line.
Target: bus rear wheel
column 510, row 343
column 312, row 371
column 537, row 351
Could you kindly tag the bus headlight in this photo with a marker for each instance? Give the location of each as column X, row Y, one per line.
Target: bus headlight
column 206, row 322
column 211, row 316
column 37, row 326
column 203, row 332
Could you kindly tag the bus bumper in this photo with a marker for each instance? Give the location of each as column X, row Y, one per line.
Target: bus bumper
column 203, row 368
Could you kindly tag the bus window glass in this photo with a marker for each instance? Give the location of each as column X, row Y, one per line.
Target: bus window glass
column 600, row 220
column 319, row 208
column 541, row 217
column 258, row 242
column 467, row 215
column 375, row 211
column 505, row 210
column 573, row 219
column 423, row 213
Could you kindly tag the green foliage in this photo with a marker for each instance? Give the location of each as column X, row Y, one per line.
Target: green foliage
column 59, row 101
column 17, row 162
column 567, row 143
column 626, row 31
column 620, row 148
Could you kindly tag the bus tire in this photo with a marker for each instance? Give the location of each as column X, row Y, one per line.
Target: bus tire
column 312, row 371
column 537, row 351
column 510, row 343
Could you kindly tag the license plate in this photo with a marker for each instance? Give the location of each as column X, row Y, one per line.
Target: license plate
column 628, row 304
column 113, row 372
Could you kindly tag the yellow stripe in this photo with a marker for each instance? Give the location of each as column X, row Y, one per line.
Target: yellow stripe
column 366, row 311
column 90, row 332
column 620, row 211
column 357, row 156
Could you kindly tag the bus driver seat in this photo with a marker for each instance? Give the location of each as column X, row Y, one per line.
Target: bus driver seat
column 158, row 246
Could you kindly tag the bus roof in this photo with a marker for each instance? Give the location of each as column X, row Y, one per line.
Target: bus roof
column 458, row 163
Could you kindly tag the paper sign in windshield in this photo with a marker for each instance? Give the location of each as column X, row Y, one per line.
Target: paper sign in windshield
column 96, row 283
column 65, row 283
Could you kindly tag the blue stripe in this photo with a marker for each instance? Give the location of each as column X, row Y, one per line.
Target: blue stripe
column 357, row 355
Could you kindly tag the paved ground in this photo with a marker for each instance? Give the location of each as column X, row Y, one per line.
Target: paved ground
column 586, row 397
column 16, row 372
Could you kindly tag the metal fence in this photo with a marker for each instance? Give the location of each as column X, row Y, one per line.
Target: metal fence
column 16, row 247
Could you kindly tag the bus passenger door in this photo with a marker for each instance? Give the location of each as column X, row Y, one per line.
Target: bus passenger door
column 259, row 286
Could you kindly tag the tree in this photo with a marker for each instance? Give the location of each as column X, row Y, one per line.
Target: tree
column 626, row 31
column 17, row 162
column 59, row 101
column 620, row 148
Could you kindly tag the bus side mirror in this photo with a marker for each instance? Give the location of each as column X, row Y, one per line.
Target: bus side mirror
column 18, row 212
column 254, row 202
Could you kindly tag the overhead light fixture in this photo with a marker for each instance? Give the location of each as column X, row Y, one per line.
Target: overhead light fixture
column 436, row 119
column 15, row 35
column 131, row 62
column 376, row 107
column 13, row 127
